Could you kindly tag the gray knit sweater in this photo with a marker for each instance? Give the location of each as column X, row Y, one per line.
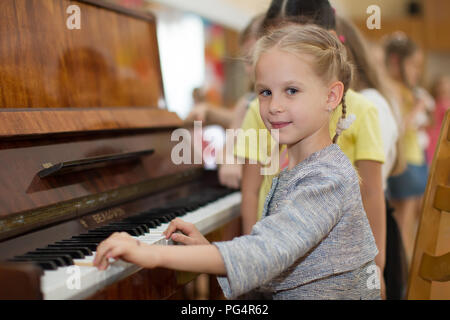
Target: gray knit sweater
column 314, row 226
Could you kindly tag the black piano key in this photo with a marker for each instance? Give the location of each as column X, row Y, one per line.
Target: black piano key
column 126, row 226
column 180, row 213
column 170, row 210
column 83, row 241
column 101, row 232
column 170, row 215
column 97, row 235
column 157, row 221
column 65, row 257
column 45, row 265
column 145, row 222
column 91, row 244
column 75, row 254
column 151, row 224
column 86, row 250
column 163, row 220
column 69, row 244
column 139, row 226
column 58, row 262
column 133, row 232
column 166, row 216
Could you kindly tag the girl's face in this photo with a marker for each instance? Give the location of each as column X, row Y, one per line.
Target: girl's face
column 292, row 97
column 413, row 68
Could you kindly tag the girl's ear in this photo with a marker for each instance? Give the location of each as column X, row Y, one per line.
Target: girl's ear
column 335, row 94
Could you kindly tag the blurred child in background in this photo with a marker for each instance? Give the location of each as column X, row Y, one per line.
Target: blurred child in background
column 404, row 61
column 371, row 83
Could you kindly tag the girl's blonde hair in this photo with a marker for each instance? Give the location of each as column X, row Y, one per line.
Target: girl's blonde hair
column 329, row 55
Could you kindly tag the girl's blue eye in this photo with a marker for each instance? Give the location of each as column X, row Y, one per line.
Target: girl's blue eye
column 265, row 93
column 291, row 91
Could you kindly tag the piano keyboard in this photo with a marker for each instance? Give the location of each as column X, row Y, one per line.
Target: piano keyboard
column 67, row 264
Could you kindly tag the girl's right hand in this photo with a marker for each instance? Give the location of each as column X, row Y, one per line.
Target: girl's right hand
column 190, row 236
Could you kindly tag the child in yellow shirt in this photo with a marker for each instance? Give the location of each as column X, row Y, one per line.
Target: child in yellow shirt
column 362, row 142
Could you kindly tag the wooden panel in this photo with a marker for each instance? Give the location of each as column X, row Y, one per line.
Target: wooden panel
column 21, row 189
column 111, row 61
column 433, row 237
column 442, row 198
column 20, row 281
column 52, row 121
column 435, row 268
column 437, row 23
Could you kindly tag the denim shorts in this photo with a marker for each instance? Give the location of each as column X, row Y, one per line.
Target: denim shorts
column 411, row 183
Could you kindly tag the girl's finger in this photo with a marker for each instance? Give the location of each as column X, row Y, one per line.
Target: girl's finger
column 101, row 251
column 115, row 252
column 181, row 238
column 177, row 224
column 170, row 229
column 104, row 264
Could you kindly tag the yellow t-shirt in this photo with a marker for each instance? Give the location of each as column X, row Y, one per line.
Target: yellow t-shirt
column 411, row 147
column 362, row 141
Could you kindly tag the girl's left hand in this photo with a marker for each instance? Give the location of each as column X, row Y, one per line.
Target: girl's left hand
column 119, row 246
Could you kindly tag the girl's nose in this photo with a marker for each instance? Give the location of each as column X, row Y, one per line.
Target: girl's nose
column 275, row 107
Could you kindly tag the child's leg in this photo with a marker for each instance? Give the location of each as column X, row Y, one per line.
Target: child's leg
column 406, row 217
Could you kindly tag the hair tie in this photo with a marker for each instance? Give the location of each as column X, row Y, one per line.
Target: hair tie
column 342, row 38
column 344, row 124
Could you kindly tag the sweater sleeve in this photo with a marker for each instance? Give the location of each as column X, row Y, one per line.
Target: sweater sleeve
column 295, row 226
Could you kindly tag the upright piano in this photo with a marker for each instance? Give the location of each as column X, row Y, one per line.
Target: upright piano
column 86, row 150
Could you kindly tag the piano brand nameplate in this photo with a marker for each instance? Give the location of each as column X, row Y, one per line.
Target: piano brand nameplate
column 102, row 217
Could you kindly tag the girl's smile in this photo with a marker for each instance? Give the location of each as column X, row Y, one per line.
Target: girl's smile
column 279, row 125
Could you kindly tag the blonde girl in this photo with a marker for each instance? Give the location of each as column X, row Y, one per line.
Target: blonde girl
column 314, row 240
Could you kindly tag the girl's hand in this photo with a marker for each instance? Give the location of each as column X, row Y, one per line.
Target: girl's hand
column 230, row 175
column 198, row 113
column 190, row 236
column 123, row 246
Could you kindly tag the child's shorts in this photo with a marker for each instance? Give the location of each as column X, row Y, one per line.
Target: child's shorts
column 411, row 183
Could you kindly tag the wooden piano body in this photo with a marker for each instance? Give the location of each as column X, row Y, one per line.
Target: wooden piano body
column 84, row 140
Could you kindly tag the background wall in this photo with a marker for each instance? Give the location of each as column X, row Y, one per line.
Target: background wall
column 428, row 27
